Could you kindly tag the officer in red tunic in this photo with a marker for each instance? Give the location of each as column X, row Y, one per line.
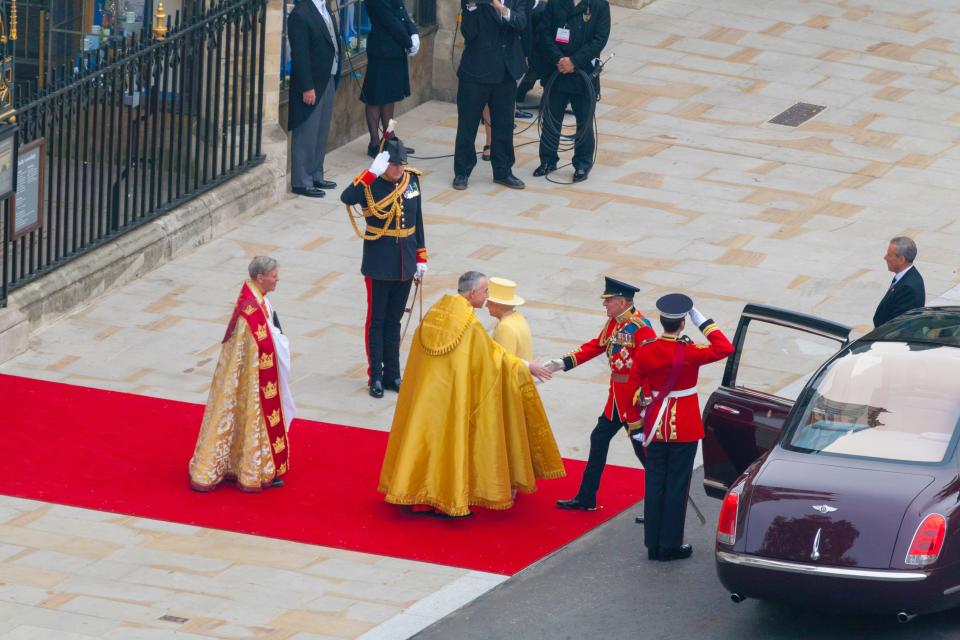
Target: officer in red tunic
column 672, row 427
column 622, row 334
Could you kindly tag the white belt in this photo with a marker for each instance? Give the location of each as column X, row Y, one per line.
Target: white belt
column 680, row 393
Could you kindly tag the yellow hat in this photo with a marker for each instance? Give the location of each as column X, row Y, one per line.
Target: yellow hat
column 503, row 291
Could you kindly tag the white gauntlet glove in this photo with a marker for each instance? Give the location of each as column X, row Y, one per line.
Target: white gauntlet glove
column 380, row 163
column 421, row 269
column 554, row 365
column 412, row 51
column 697, row 317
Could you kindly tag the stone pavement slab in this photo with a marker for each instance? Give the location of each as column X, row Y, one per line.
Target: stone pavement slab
column 693, row 189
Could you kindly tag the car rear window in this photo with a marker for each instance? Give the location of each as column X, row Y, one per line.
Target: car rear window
column 888, row 400
column 940, row 325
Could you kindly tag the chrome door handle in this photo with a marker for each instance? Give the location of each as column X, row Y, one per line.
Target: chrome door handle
column 722, row 408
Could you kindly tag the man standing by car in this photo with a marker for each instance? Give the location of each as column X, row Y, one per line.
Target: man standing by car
column 491, row 64
column 906, row 292
column 672, row 427
column 624, row 331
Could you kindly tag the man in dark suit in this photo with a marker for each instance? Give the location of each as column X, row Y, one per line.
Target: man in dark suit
column 906, row 291
column 315, row 64
column 572, row 35
column 536, row 68
column 491, row 64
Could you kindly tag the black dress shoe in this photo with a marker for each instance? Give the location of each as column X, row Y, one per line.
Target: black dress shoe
column 325, row 184
column 373, row 150
column 392, row 385
column 376, row 389
column 577, row 504
column 544, row 169
column 580, row 175
column 310, row 192
column 522, row 114
column 682, row 552
column 460, row 182
column 511, row 181
column 276, row 484
column 638, row 519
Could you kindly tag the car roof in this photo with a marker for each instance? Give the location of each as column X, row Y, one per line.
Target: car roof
column 931, row 325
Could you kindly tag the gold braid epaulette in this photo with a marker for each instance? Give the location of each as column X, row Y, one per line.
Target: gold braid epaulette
column 389, row 209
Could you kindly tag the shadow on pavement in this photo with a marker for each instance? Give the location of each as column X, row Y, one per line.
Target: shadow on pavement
column 602, row 586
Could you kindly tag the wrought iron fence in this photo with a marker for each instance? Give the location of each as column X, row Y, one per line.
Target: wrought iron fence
column 139, row 127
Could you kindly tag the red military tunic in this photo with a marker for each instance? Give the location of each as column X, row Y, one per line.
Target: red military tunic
column 680, row 421
column 619, row 339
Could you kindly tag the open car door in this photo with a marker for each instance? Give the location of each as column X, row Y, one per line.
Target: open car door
column 776, row 352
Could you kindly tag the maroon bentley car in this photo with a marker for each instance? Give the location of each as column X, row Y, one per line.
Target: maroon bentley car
column 839, row 469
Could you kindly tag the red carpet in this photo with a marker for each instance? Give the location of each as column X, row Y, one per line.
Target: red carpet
column 128, row 454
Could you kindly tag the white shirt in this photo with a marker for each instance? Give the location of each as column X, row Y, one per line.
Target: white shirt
column 321, row 6
column 900, row 275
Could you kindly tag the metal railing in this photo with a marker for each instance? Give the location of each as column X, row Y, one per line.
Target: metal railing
column 139, row 127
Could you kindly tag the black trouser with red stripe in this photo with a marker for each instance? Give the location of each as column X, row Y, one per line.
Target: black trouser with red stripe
column 668, row 471
column 386, row 301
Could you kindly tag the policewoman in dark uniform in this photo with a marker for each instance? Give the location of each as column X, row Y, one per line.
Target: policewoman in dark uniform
column 394, row 255
column 622, row 334
column 572, row 35
column 672, row 425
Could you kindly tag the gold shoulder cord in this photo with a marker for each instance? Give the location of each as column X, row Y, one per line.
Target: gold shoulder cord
column 390, row 210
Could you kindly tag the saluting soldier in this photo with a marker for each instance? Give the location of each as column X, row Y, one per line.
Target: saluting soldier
column 672, row 424
column 621, row 335
column 394, row 255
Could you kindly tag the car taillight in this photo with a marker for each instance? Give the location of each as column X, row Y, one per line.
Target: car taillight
column 727, row 524
column 927, row 541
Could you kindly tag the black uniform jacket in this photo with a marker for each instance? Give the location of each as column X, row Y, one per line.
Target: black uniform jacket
column 908, row 293
column 390, row 258
column 589, row 25
column 392, row 28
column 492, row 44
column 311, row 59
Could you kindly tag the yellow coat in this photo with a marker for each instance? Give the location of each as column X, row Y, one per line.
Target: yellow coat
column 469, row 427
column 513, row 334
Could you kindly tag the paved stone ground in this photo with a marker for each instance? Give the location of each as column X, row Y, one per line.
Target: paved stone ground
column 693, row 190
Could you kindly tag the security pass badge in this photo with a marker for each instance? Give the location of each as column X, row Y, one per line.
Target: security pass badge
column 563, row 35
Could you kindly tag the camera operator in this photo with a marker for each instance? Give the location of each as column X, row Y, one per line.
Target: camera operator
column 490, row 67
column 572, row 35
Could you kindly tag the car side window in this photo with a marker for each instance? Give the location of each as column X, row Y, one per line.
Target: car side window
column 778, row 360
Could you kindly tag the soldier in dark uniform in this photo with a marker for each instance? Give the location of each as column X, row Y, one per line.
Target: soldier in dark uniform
column 672, row 424
column 623, row 332
column 394, row 255
column 572, row 35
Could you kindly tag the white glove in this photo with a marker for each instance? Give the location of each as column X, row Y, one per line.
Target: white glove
column 554, row 365
column 697, row 317
column 380, row 163
column 415, row 39
column 421, row 270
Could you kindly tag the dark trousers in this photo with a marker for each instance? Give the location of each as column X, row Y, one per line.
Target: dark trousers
column 668, row 485
column 526, row 83
column 386, row 302
column 471, row 98
column 555, row 107
column 599, row 446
